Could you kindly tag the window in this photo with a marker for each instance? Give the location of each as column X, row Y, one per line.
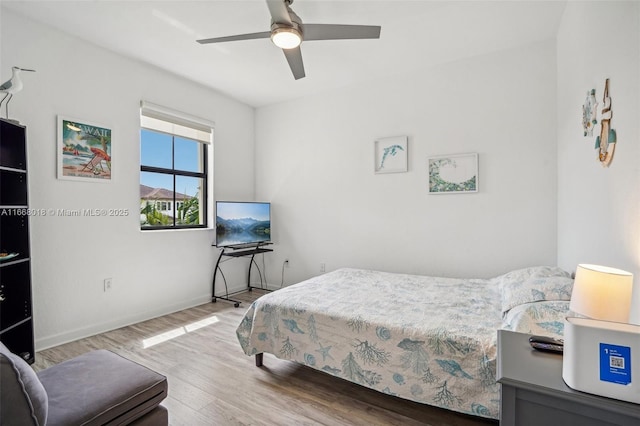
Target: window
column 174, row 159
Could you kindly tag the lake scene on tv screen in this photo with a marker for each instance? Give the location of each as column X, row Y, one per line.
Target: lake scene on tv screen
column 242, row 223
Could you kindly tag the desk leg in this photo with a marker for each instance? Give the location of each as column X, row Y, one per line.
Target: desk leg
column 262, row 283
column 236, row 303
column 249, row 273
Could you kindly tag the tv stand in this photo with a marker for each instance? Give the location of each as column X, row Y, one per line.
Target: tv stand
column 236, row 252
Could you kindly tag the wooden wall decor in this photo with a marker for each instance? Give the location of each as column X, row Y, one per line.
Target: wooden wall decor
column 606, row 141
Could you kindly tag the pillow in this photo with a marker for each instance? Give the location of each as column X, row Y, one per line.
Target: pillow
column 541, row 318
column 22, row 397
column 533, row 285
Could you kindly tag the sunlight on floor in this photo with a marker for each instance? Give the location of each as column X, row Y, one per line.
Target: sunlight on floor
column 176, row 332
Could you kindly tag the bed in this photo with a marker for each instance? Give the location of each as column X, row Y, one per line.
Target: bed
column 427, row 339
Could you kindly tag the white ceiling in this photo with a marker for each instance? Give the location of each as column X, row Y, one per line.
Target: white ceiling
column 415, row 35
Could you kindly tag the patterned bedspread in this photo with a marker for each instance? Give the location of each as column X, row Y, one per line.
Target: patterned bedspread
column 426, row 339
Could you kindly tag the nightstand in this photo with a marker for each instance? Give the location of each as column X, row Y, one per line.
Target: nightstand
column 533, row 392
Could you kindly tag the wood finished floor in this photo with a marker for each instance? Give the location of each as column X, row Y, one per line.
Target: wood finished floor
column 212, row 382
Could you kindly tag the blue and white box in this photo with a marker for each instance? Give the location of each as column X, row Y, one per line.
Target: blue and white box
column 602, row 358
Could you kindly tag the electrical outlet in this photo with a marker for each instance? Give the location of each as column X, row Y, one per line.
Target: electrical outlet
column 107, row 284
column 323, row 267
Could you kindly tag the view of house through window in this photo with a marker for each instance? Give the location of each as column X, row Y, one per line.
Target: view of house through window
column 173, row 170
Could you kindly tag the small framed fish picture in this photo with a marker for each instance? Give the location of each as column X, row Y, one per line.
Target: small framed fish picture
column 391, row 154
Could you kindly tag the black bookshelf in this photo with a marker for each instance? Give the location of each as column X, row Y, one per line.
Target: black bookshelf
column 16, row 320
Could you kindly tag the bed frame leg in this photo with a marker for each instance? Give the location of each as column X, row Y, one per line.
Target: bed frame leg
column 259, row 360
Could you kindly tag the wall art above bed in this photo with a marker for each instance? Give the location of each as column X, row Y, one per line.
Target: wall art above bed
column 391, row 154
column 450, row 174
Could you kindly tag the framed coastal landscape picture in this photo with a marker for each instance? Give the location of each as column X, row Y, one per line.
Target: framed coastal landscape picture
column 451, row 174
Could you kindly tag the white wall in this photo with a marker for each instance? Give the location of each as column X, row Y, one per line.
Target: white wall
column 153, row 272
column 598, row 208
column 314, row 162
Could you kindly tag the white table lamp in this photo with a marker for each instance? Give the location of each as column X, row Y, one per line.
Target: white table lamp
column 602, row 293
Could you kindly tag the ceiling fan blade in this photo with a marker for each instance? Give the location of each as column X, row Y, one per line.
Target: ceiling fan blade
column 265, row 34
column 279, row 12
column 339, row 32
column 294, row 57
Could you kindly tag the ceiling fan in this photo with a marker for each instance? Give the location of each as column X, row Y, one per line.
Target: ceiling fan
column 288, row 32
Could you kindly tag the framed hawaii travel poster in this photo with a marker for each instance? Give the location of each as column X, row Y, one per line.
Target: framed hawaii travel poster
column 84, row 151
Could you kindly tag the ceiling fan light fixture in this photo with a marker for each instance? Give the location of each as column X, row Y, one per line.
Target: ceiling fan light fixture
column 286, row 37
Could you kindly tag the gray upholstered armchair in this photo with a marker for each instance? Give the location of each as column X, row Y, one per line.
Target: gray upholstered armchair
column 96, row 388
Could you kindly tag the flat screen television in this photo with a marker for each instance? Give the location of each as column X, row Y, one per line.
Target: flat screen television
column 242, row 223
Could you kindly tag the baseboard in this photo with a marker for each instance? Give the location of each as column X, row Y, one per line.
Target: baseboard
column 91, row 330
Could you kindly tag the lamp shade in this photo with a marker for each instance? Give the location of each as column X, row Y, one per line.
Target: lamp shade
column 602, row 293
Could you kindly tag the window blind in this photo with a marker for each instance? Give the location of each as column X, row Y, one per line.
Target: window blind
column 165, row 120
